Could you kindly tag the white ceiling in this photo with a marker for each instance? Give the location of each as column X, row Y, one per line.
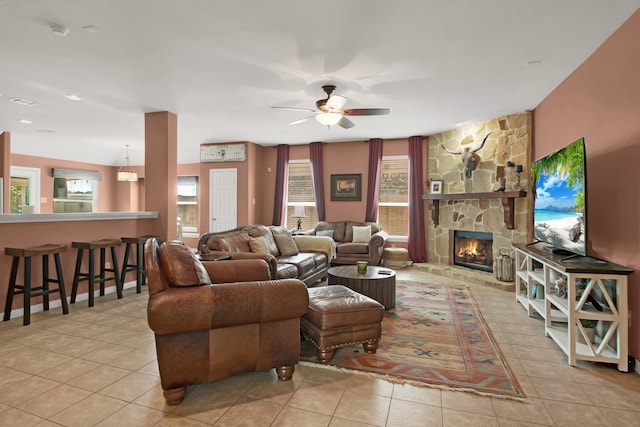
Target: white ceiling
column 220, row 65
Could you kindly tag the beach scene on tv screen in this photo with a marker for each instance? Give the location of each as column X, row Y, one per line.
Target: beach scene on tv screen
column 559, row 201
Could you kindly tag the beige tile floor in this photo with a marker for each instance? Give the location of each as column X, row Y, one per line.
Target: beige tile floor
column 96, row 366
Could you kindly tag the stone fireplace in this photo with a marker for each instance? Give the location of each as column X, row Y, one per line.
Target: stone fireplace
column 473, row 249
column 474, row 204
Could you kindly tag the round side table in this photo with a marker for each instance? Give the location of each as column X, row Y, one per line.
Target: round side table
column 378, row 283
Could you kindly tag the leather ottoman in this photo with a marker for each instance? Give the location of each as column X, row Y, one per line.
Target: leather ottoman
column 338, row 316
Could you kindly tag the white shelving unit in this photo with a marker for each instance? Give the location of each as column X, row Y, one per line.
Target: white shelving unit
column 537, row 271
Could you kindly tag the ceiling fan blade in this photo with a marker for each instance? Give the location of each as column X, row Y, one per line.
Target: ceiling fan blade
column 295, row 109
column 367, row 112
column 295, row 122
column 346, row 123
column 335, row 102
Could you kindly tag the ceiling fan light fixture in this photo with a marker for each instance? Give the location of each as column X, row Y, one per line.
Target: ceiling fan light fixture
column 329, row 111
column 328, row 119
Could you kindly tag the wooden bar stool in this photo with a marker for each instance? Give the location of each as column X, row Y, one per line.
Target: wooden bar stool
column 138, row 266
column 90, row 276
column 30, row 291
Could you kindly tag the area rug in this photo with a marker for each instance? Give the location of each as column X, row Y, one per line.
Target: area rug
column 435, row 336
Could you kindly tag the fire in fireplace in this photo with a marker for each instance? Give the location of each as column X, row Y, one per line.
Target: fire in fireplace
column 473, row 249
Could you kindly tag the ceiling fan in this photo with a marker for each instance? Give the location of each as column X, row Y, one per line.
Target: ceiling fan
column 329, row 110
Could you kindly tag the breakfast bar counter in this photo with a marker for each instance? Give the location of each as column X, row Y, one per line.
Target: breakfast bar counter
column 30, row 230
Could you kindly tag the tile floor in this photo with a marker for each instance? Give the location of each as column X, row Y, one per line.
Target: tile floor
column 96, row 367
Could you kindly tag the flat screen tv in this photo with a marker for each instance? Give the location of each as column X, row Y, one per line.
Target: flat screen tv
column 559, row 190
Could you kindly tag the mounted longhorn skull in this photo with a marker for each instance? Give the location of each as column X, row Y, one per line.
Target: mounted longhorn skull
column 470, row 157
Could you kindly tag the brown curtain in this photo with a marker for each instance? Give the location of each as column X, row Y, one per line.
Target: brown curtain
column 282, row 182
column 373, row 186
column 315, row 154
column 417, row 237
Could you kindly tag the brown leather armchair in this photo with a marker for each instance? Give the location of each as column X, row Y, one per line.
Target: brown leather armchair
column 207, row 331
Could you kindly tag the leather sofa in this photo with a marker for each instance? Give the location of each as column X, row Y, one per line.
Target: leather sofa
column 367, row 246
column 218, row 319
column 302, row 257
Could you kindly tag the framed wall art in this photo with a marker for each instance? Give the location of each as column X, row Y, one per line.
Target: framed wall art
column 223, row 153
column 346, row 187
column 436, row 187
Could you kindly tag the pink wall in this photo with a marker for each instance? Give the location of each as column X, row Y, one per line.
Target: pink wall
column 600, row 101
column 345, row 158
column 161, row 170
column 5, row 167
column 246, row 192
column 108, row 189
column 254, row 184
column 256, row 181
column 338, row 158
column 266, row 175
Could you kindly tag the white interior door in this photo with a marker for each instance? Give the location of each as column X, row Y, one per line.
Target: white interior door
column 223, row 199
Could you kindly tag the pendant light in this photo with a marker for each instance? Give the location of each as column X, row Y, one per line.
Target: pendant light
column 126, row 173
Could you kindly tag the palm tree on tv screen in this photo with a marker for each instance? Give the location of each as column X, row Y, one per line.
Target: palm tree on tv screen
column 570, row 162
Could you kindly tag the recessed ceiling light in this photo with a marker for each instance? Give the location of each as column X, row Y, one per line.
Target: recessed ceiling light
column 73, row 97
column 91, row 29
column 533, row 62
column 24, row 102
column 25, row 121
column 59, row 30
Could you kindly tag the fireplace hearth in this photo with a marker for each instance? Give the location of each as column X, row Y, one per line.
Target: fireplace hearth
column 473, row 249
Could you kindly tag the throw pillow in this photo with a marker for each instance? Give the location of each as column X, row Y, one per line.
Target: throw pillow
column 286, row 244
column 361, row 234
column 328, row 233
column 217, row 243
column 180, row 266
column 259, row 245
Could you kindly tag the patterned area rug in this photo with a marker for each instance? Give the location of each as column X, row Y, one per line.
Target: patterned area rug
column 436, row 337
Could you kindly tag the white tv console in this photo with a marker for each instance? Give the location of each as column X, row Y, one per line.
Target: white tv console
column 537, row 271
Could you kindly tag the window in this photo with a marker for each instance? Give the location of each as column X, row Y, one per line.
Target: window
column 75, row 195
column 188, row 204
column 393, row 204
column 301, row 194
column 24, row 190
column 75, row 190
column 20, row 194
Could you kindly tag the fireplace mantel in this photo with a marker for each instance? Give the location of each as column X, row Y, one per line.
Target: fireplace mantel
column 507, row 198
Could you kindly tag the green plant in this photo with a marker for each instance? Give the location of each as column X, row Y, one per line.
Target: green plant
column 565, row 162
column 589, row 323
